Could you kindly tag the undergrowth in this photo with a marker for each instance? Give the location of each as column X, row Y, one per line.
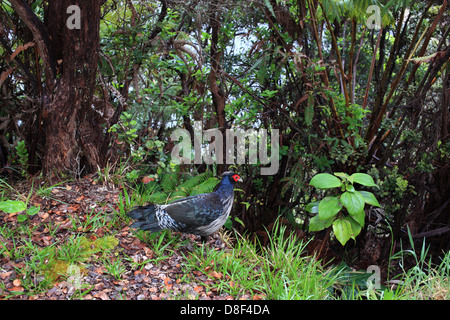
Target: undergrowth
column 243, row 269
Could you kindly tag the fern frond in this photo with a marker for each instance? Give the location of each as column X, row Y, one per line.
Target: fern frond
column 191, row 183
column 205, row 187
column 158, row 198
column 169, row 181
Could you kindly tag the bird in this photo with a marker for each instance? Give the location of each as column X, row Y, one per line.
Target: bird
column 201, row 214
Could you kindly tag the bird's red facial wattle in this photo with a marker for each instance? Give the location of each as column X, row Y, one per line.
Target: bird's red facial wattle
column 237, row 178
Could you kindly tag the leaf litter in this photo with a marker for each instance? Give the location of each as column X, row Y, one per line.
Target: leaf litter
column 125, row 268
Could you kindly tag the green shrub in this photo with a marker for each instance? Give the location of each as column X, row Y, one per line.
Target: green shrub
column 343, row 210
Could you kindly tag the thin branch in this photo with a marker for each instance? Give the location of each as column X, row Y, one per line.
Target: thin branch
column 40, row 35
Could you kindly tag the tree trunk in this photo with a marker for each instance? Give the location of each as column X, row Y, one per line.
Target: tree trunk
column 69, row 120
column 218, row 95
column 69, row 53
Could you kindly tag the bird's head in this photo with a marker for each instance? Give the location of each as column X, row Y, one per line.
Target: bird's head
column 231, row 176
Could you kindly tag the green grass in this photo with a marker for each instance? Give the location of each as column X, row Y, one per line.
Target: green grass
column 279, row 271
column 424, row 280
column 244, row 269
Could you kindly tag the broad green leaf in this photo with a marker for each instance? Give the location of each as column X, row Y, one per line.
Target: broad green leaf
column 329, row 207
column 342, row 229
column 316, row 224
column 369, row 198
column 359, row 217
column 342, row 175
column 364, row 179
column 11, row 206
column 353, row 202
column 33, row 210
column 313, row 207
column 21, row 217
column 350, row 188
column 325, row 181
column 356, row 227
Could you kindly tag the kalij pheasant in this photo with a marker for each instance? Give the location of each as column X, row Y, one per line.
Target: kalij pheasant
column 201, row 214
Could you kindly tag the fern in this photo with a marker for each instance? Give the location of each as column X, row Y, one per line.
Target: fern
column 188, row 185
column 205, row 187
column 22, row 154
column 158, row 197
column 168, row 190
column 169, row 181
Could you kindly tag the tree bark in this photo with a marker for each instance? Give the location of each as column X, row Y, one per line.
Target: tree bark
column 218, row 96
column 70, row 125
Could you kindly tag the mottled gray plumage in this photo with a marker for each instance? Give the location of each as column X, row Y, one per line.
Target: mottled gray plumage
column 201, row 214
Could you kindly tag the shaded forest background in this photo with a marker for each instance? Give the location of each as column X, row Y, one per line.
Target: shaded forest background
column 346, row 94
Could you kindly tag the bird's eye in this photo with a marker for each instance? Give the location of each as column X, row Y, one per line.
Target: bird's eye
column 236, row 177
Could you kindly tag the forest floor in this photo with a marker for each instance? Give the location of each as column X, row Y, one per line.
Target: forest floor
column 74, row 242
column 79, row 246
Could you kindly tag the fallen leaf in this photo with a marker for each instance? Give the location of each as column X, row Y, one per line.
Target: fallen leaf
column 215, row 274
column 72, row 208
column 103, row 296
column 148, row 252
column 168, row 282
column 4, row 275
column 198, row 289
column 17, row 283
column 17, row 289
column 100, row 270
column 99, row 286
column 19, row 265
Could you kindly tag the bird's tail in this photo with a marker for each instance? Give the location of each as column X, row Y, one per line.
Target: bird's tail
column 145, row 217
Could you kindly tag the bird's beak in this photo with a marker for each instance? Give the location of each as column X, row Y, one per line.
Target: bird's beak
column 240, row 180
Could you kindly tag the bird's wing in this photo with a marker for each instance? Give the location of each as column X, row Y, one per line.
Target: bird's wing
column 196, row 210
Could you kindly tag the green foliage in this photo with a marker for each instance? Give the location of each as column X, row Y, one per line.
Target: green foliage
column 279, row 271
column 169, row 181
column 393, row 187
column 74, row 252
column 22, row 154
column 344, row 210
column 175, row 185
column 125, row 131
column 155, row 69
column 12, row 206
